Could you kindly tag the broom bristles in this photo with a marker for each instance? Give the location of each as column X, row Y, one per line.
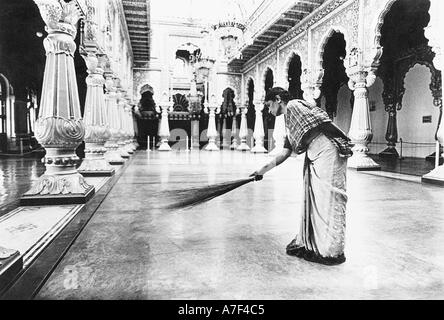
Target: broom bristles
column 191, row 197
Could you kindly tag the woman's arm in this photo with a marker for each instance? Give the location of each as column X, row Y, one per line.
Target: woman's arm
column 281, row 157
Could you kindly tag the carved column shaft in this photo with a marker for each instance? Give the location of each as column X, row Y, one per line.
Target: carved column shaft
column 259, row 134
column 234, row 133
column 96, row 122
column 112, row 155
column 164, row 128
column 128, row 147
column 59, row 127
column 243, row 130
column 195, row 134
column 226, row 134
column 360, row 128
column 131, row 129
column 121, row 123
column 212, row 133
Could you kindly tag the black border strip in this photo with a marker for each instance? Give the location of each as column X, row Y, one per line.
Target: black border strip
column 29, row 282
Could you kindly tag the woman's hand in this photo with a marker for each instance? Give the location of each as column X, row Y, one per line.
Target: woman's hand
column 257, row 176
column 281, row 157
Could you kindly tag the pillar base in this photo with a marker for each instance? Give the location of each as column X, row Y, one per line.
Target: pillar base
column 114, row 158
column 362, row 162
column 234, row 145
column 259, row 149
column 435, row 177
column 226, row 144
column 95, row 168
column 212, row 147
column 123, row 153
column 129, row 150
column 243, row 147
column 164, row 147
column 389, row 153
column 57, row 190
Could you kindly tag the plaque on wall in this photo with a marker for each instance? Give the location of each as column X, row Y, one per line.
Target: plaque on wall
column 427, row 119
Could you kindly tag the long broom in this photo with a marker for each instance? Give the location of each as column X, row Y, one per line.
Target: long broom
column 186, row 198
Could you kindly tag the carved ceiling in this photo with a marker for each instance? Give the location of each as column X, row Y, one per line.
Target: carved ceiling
column 286, row 21
column 137, row 15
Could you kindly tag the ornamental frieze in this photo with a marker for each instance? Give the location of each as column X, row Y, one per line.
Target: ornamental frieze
column 348, row 22
column 319, row 14
column 298, row 47
column 271, row 63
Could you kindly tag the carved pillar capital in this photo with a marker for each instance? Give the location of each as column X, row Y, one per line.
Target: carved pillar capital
column 61, row 20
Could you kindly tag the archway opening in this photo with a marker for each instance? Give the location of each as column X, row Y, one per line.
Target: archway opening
column 228, row 110
column 406, row 46
column 294, row 77
column 251, row 112
column 268, row 118
column 147, row 118
column 334, row 72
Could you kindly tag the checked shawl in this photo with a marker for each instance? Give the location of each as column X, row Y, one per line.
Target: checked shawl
column 301, row 117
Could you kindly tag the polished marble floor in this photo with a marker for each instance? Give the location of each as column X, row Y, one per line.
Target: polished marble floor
column 16, row 177
column 233, row 247
column 410, row 166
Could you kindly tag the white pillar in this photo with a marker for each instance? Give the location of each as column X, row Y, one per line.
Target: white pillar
column 121, row 102
column 59, row 128
column 259, row 134
column 360, row 129
column 195, row 136
column 226, row 136
column 112, row 155
column 234, row 133
column 131, row 128
column 164, row 128
column 243, row 131
column 212, row 108
column 96, row 122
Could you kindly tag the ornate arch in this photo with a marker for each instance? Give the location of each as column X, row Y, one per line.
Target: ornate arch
column 231, row 110
column 264, row 77
column 247, row 81
column 146, row 102
column 287, row 62
column 321, row 48
column 229, row 87
column 422, row 56
column 378, row 23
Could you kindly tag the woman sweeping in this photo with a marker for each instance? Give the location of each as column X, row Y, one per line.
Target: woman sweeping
column 310, row 130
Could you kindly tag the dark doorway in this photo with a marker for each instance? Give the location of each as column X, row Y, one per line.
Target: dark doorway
column 268, row 118
column 251, row 114
column 334, row 71
column 294, row 77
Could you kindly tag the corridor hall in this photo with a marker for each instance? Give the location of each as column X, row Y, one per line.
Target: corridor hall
column 233, row 247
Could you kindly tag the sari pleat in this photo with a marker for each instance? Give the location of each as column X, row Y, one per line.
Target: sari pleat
column 322, row 231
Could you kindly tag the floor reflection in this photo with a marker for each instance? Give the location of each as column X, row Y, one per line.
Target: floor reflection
column 16, row 177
